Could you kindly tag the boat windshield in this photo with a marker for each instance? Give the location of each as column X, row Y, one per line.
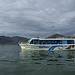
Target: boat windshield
column 29, row 41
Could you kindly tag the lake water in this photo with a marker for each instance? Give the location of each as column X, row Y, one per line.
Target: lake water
column 14, row 61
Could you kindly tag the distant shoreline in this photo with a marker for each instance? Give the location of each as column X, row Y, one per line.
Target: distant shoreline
column 16, row 39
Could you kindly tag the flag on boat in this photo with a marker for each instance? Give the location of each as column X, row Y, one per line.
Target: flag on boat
column 73, row 34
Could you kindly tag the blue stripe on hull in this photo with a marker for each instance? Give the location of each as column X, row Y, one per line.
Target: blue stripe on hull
column 53, row 47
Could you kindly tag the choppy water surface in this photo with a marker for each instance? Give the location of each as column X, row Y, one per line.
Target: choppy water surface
column 14, row 61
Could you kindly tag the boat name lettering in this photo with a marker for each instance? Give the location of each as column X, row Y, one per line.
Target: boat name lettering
column 43, row 46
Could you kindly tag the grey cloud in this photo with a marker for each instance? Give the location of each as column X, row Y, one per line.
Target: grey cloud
column 32, row 18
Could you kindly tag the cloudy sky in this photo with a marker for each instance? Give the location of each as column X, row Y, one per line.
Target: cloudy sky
column 37, row 18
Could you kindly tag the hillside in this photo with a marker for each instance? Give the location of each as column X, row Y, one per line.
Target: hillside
column 16, row 39
column 60, row 36
column 56, row 36
column 11, row 40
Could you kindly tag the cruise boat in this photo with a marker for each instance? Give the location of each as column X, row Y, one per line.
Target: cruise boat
column 49, row 44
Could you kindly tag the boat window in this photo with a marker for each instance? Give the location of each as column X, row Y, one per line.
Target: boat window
column 70, row 41
column 59, row 42
column 50, row 42
column 56, row 42
column 31, row 42
column 36, row 42
column 64, row 41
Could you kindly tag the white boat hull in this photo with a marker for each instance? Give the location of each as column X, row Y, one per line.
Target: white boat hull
column 47, row 47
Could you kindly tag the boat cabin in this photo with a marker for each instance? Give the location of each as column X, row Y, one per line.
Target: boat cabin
column 51, row 41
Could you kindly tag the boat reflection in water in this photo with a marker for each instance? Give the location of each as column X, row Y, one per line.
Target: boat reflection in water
column 48, row 57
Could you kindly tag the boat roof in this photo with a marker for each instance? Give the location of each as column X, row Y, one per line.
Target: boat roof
column 52, row 39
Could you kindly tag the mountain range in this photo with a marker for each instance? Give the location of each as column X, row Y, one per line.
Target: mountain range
column 11, row 40
column 16, row 39
column 60, row 36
